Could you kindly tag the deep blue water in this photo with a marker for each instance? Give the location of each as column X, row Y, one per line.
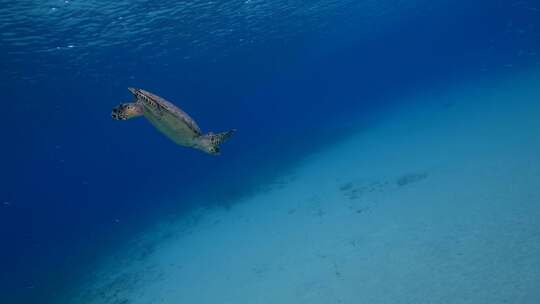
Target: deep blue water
column 291, row 77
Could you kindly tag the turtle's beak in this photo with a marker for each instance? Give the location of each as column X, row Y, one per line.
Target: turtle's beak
column 214, row 151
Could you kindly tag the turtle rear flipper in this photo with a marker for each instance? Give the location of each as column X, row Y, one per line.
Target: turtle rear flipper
column 126, row 111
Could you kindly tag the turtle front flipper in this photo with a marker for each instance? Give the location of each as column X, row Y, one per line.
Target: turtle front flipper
column 217, row 139
column 126, row 111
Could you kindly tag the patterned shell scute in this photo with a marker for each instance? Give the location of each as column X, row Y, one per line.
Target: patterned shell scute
column 174, row 110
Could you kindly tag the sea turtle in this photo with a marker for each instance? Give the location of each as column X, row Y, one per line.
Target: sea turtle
column 170, row 120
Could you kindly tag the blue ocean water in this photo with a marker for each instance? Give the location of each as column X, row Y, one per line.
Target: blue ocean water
column 291, row 76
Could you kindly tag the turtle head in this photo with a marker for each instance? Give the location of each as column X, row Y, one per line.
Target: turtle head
column 210, row 142
column 206, row 144
column 214, row 150
column 126, row 111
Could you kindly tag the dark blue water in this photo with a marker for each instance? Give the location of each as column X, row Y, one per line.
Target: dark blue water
column 292, row 77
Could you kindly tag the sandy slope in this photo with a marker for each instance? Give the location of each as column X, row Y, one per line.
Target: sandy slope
column 437, row 203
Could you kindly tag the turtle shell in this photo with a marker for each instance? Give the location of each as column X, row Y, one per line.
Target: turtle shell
column 167, row 117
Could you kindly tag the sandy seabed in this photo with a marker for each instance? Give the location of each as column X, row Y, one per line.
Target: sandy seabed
column 437, row 202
